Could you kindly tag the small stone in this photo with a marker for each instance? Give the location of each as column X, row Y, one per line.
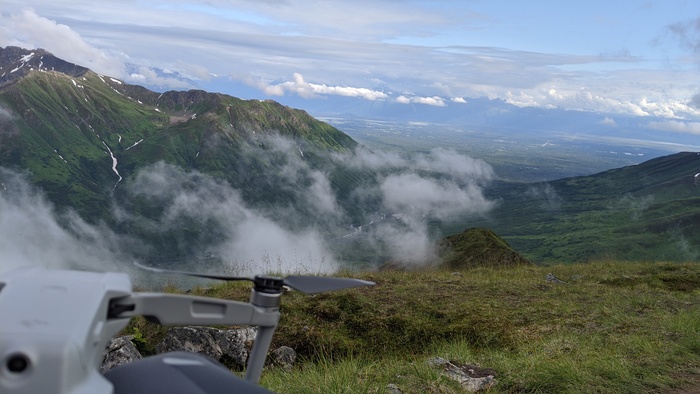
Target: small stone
column 119, row 351
column 283, row 357
column 553, row 279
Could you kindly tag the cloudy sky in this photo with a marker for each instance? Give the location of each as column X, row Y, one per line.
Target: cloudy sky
column 623, row 56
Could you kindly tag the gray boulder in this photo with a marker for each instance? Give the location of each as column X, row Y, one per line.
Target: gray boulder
column 120, row 350
column 472, row 378
column 553, row 279
column 231, row 347
column 283, row 357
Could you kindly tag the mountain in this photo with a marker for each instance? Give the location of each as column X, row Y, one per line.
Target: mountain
column 84, row 138
column 16, row 63
column 644, row 212
column 79, row 133
column 179, row 171
column 485, row 115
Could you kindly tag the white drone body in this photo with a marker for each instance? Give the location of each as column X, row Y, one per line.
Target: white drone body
column 54, row 329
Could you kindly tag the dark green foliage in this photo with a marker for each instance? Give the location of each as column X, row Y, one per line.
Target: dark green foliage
column 63, row 128
column 476, row 247
column 646, row 212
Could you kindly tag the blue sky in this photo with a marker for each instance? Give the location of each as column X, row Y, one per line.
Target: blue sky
column 621, row 57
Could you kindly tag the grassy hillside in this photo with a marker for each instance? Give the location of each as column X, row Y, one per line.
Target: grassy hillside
column 65, row 129
column 83, row 139
column 646, row 212
column 63, row 124
column 613, row 327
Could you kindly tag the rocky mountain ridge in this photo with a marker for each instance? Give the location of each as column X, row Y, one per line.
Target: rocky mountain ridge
column 16, row 62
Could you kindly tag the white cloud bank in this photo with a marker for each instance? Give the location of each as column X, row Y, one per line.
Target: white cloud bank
column 27, row 29
column 442, row 184
column 434, row 100
column 253, row 241
column 254, row 41
column 309, row 90
column 32, row 233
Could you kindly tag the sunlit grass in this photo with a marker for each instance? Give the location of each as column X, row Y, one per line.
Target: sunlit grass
column 611, row 328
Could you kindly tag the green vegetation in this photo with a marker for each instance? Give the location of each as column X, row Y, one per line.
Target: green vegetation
column 477, row 247
column 613, row 327
column 65, row 126
column 646, row 212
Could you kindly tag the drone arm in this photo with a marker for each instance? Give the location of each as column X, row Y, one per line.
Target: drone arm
column 176, row 309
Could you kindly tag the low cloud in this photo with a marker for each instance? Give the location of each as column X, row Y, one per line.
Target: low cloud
column 416, row 189
column 407, row 193
column 7, row 124
column 5, row 113
column 201, row 218
column 32, row 233
column 546, row 195
column 437, row 198
column 635, row 205
column 147, row 76
column 247, row 239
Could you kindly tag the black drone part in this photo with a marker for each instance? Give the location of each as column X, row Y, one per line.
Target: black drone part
column 268, row 284
column 273, row 285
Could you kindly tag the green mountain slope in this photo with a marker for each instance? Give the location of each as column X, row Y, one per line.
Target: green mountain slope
column 649, row 211
column 478, row 247
column 84, row 139
column 87, row 140
column 65, row 130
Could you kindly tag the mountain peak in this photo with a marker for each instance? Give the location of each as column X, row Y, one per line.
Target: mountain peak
column 16, row 62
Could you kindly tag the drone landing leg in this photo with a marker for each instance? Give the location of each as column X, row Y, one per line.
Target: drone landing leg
column 263, row 339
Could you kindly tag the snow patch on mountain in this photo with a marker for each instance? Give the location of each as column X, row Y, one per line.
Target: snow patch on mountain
column 135, row 143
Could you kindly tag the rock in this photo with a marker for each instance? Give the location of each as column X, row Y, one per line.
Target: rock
column 553, row 279
column 119, row 351
column 472, row 378
column 393, row 389
column 228, row 346
column 283, row 357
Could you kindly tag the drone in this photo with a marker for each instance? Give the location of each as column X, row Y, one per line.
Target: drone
column 55, row 325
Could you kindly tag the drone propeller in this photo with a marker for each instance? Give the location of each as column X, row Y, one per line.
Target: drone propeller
column 206, row 276
column 303, row 283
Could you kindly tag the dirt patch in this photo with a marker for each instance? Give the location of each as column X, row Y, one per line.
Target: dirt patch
column 691, row 384
column 178, row 119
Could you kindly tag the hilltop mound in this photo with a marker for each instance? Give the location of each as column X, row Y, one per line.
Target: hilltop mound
column 478, row 247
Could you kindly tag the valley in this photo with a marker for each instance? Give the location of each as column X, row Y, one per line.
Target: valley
column 573, row 198
column 516, row 156
column 196, row 178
